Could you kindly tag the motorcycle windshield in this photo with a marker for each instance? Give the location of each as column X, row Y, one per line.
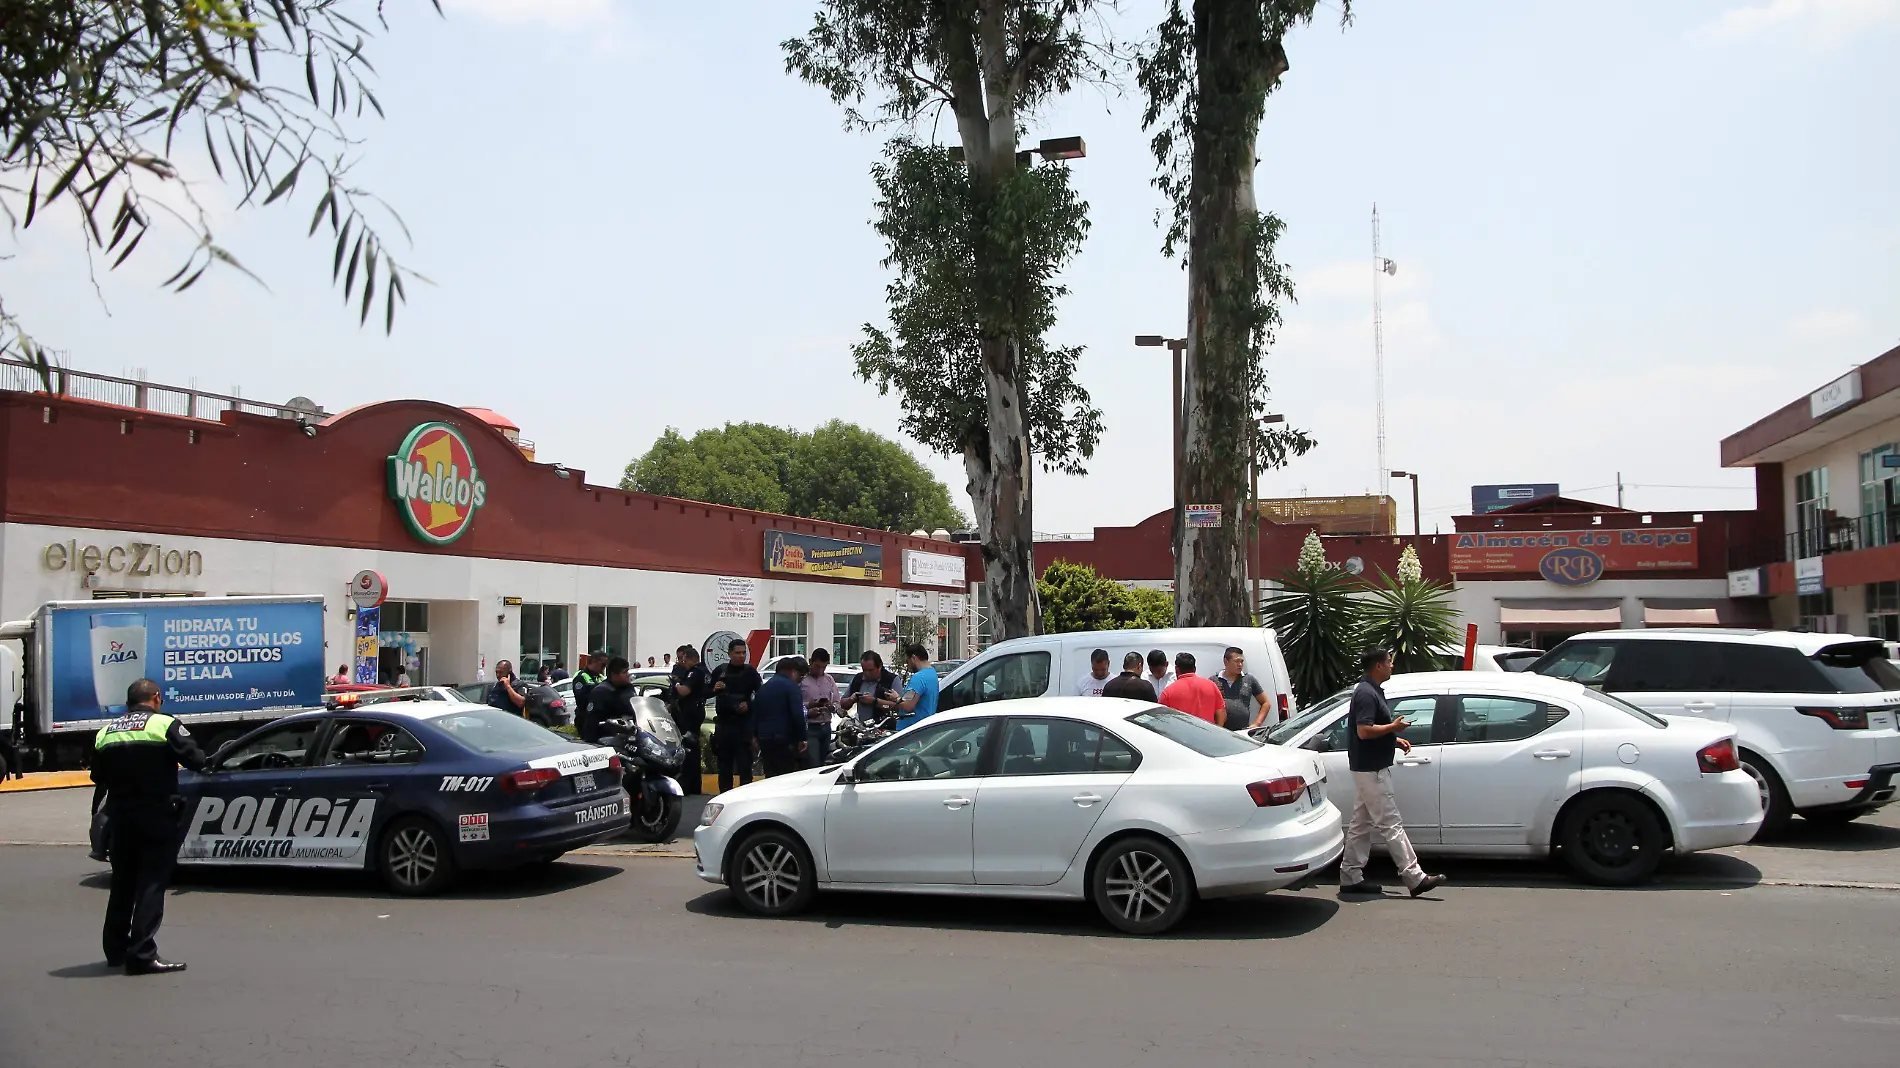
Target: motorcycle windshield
column 653, row 718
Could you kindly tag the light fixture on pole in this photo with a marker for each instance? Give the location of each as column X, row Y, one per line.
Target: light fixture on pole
column 1049, row 148
column 1178, row 346
column 1413, row 475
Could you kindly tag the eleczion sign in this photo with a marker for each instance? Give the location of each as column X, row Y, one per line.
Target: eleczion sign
column 433, row 480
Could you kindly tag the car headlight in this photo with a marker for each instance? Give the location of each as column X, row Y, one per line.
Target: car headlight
column 711, row 813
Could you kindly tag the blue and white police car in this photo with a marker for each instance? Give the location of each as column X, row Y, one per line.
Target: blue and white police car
column 416, row 791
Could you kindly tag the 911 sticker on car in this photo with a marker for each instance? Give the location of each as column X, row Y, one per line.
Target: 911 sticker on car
column 473, row 826
column 596, row 813
column 314, row 831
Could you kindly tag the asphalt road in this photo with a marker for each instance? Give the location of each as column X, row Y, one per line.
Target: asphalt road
column 632, row 961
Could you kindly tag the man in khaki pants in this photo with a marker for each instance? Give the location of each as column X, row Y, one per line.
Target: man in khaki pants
column 1372, row 737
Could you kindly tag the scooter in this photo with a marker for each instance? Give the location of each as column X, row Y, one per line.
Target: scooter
column 652, row 758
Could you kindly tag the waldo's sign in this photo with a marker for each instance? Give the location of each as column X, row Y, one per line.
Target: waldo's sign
column 1575, row 557
column 433, row 481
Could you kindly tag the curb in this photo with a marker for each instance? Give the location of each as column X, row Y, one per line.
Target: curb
column 46, row 780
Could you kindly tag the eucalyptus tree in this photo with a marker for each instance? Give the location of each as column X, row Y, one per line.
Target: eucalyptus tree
column 98, row 97
column 1207, row 79
column 975, row 239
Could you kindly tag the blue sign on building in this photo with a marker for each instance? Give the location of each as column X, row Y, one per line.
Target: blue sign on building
column 1491, row 498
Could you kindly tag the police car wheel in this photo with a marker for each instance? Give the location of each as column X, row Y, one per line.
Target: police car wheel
column 771, row 873
column 416, row 858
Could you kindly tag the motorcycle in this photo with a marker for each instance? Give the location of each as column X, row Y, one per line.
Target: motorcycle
column 851, row 736
column 651, row 758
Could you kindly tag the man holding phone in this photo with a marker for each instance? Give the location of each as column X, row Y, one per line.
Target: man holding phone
column 820, row 692
column 1373, row 739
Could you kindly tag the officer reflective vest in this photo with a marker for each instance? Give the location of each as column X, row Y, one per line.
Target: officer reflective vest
column 137, row 755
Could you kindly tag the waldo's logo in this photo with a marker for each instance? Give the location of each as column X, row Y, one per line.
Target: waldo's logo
column 433, row 481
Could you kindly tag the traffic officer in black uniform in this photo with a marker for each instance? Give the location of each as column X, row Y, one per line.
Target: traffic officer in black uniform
column 136, row 758
column 692, row 687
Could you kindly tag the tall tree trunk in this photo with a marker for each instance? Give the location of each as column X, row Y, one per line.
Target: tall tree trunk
column 1232, row 54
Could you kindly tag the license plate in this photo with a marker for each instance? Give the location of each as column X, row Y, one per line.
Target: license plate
column 596, row 813
column 1312, row 794
column 1880, row 721
column 584, row 783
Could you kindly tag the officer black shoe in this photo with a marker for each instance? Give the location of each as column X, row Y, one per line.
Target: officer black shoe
column 155, row 966
column 115, row 962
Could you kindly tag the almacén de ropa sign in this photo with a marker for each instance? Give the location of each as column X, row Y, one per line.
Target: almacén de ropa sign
column 432, row 479
column 1641, row 549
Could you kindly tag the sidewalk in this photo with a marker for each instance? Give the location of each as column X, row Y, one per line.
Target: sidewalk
column 46, row 780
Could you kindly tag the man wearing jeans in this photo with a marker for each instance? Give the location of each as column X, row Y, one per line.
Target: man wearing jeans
column 1372, row 738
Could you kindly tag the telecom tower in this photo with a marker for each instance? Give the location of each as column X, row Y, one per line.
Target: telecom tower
column 1380, row 267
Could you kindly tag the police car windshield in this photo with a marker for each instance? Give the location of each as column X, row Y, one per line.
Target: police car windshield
column 490, row 730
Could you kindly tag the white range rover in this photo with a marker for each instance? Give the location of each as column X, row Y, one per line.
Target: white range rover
column 1814, row 714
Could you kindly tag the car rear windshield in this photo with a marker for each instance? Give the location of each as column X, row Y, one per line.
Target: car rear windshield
column 1285, row 732
column 1858, row 667
column 490, row 730
column 1621, row 705
column 1195, row 733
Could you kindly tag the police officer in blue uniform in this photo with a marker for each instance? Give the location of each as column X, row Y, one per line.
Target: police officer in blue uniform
column 136, row 759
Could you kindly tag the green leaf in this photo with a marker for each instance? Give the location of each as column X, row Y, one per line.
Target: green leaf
column 189, row 282
column 369, row 285
column 286, row 184
column 32, row 198
column 136, row 238
column 212, row 151
column 342, row 242
column 349, row 279
column 327, row 203
column 310, row 73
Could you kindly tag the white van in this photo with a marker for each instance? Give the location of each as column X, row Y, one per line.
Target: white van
column 1050, row 665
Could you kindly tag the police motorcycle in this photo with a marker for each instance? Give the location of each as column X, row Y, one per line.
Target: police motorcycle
column 851, row 736
column 651, row 758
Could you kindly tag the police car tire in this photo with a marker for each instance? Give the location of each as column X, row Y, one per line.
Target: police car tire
column 415, row 857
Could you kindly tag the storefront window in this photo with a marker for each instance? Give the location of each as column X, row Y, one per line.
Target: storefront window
column 847, row 639
column 1883, row 610
column 411, row 616
column 403, row 634
column 951, row 645
column 1880, row 495
column 609, row 630
column 789, row 633
column 543, row 636
column 1810, row 508
column 1816, row 611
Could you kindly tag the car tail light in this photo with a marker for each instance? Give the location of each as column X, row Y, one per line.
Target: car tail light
column 1285, row 706
column 613, row 764
column 1281, row 791
column 557, row 703
column 1717, row 757
column 528, row 780
column 1855, row 784
column 1841, row 719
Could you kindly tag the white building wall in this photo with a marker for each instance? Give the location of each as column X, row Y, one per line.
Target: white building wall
column 469, row 624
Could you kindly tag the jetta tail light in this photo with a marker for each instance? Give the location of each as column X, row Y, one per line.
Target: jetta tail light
column 1286, row 706
column 1717, row 757
column 528, row 780
column 1281, row 791
column 1841, row 719
column 613, row 765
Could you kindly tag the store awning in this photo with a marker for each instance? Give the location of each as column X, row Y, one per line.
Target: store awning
column 1703, row 612
column 1681, row 617
column 1578, row 618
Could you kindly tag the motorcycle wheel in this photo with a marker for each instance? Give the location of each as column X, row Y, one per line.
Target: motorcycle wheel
column 657, row 818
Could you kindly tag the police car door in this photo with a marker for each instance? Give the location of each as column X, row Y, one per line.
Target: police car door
column 249, row 808
column 364, row 766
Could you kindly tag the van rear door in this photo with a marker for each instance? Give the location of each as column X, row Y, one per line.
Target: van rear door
column 1280, row 686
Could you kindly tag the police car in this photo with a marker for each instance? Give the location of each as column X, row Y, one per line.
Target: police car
column 417, row 791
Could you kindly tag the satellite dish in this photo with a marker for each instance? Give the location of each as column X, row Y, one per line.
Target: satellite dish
column 299, row 405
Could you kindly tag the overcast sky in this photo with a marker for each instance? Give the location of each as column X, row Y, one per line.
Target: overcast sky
column 1624, row 230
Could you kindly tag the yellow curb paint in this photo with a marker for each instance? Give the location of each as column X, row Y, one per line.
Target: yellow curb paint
column 47, row 780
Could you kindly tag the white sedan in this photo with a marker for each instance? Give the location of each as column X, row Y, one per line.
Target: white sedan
column 1523, row 765
column 1137, row 808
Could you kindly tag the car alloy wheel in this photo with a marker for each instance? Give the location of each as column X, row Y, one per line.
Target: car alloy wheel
column 771, row 874
column 416, row 857
column 1776, row 810
column 1141, row 885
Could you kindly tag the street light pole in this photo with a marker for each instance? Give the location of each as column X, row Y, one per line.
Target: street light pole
column 1413, row 475
column 1177, row 346
column 1253, row 507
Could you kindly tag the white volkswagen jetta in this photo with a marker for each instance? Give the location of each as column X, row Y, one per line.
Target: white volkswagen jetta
column 1137, row 808
column 1523, row 765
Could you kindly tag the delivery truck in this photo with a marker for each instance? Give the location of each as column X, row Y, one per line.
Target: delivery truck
column 222, row 664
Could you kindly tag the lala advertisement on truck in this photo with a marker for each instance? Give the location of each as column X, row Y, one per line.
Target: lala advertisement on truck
column 234, row 656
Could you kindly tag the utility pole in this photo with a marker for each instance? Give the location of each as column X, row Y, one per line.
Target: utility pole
column 1380, row 268
column 1619, row 489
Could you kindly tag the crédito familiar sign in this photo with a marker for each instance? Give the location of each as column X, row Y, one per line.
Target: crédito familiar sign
column 433, row 480
column 1575, row 557
column 805, row 554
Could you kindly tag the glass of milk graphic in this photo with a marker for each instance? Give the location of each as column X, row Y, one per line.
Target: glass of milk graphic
column 118, row 656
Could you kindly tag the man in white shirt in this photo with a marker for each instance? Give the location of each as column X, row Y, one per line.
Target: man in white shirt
column 1092, row 683
column 1158, row 674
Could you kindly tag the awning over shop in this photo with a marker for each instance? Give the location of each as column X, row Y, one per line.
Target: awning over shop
column 1703, row 612
column 1681, row 617
column 1572, row 618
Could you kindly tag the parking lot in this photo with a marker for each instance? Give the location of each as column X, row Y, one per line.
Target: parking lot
column 1751, row 956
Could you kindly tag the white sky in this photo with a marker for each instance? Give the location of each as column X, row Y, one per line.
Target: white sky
column 1624, row 230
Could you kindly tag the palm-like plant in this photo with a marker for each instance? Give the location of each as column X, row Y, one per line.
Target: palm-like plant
column 1317, row 620
column 1414, row 618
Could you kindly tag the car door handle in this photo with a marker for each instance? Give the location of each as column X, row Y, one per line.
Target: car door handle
column 283, row 791
column 1699, row 706
column 1551, row 754
column 1412, row 762
column 1085, row 800
column 955, row 802
column 378, row 787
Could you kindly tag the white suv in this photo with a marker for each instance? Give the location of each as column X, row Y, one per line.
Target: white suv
column 1814, row 714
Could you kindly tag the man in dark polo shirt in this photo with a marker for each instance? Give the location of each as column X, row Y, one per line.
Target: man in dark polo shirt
column 1372, row 739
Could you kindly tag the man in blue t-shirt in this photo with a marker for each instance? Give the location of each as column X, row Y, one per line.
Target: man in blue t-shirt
column 920, row 694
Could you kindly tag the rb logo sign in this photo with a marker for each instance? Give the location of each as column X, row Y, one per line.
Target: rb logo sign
column 1571, row 567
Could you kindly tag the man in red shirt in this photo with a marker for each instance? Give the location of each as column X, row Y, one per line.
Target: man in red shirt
column 1193, row 694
